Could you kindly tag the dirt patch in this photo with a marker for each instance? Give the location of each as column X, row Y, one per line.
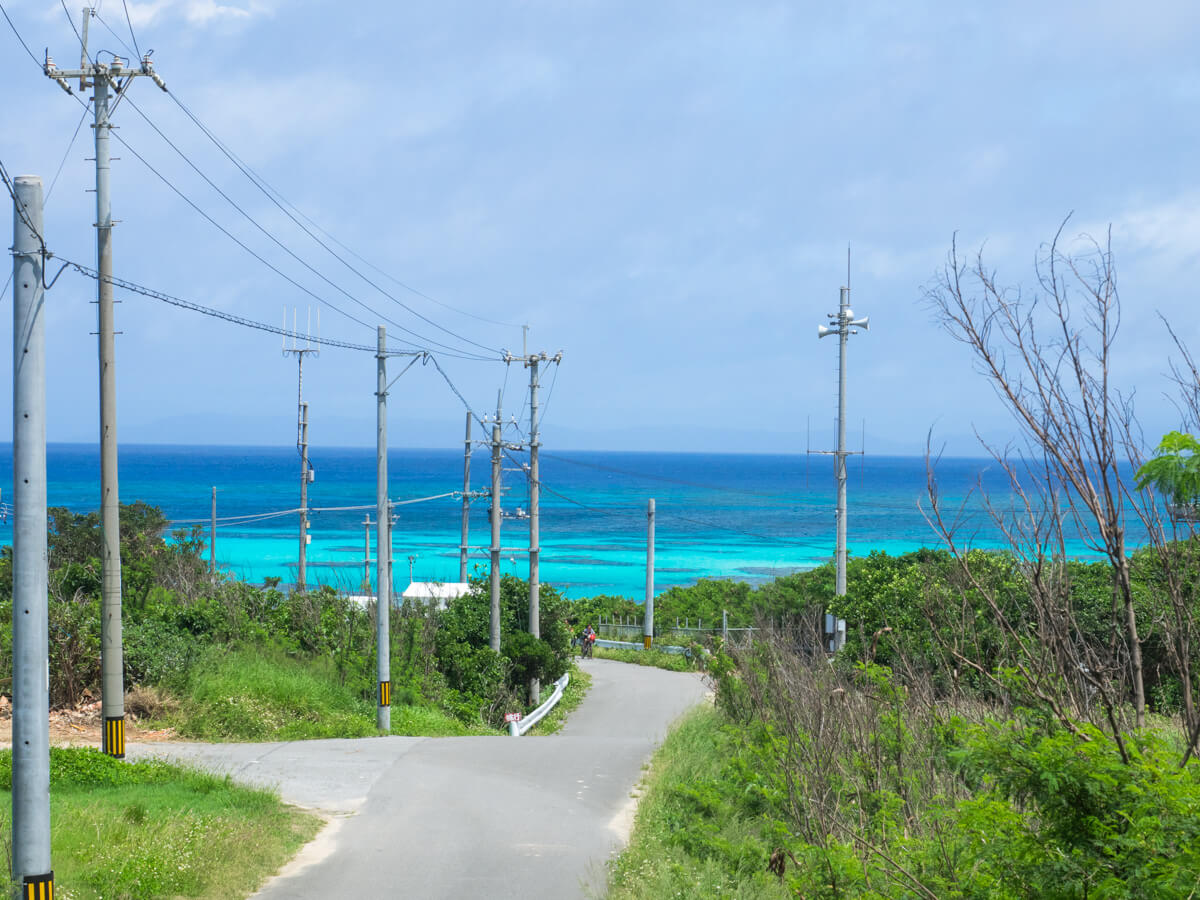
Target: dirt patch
column 80, row 727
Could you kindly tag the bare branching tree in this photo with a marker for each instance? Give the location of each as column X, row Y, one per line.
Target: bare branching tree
column 1049, row 359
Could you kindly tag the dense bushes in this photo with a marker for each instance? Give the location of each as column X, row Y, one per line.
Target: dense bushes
column 178, row 621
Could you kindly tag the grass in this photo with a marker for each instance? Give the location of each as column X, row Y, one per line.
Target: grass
column 427, row 721
column 688, row 839
column 659, row 659
column 577, row 688
column 263, row 695
column 122, row 830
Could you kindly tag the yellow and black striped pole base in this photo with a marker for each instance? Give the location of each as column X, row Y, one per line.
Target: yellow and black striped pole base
column 38, row 887
column 385, row 693
column 647, row 641
column 114, row 737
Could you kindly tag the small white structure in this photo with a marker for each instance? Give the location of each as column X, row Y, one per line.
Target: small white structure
column 436, row 593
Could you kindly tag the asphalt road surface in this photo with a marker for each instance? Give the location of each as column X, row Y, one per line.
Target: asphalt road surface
column 486, row 817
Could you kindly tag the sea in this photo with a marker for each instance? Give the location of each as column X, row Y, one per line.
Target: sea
column 749, row 517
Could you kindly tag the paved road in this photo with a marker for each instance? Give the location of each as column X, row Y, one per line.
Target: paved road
column 492, row 817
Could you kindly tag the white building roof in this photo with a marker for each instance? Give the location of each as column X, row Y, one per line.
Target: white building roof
column 436, row 590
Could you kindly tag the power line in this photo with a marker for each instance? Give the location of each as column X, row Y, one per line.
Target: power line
column 230, row 317
column 272, row 238
column 131, row 34
column 18, row 34
column 280, row 201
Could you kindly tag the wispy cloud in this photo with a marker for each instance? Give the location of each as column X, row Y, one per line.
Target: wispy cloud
column 199, row 13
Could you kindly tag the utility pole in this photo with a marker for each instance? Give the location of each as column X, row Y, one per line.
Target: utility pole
column 648, row 612
column 306, row 471
column 383, row 513
column 30, row 621
column 108, row 81
column 466, row 505
column 532, row 362
column 843, row 324
column 212, row 534
column 411, row 559
column 494, row 513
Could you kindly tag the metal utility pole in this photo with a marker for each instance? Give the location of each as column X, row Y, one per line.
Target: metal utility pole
column 466, row 506
column 383, row 600
column 648, row 612
column 108, row 81
column 212, row 534
column 533, row 362
column 30, row 623
column 306, row 471
column 494, row 512
column 843, row 324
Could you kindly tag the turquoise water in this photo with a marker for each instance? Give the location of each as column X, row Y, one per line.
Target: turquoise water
column 738, row 516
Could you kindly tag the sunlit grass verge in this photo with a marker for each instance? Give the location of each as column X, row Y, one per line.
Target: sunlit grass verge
column 427, row 721
column 577, row 688
column 685, row 833
column 262, row 695
column 659, row 659
column 148, row 829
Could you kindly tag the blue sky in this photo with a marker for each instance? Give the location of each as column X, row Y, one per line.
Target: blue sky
column 663, row 191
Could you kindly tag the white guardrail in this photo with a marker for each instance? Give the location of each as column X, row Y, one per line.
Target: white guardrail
column 630, row 645
column 516, row 729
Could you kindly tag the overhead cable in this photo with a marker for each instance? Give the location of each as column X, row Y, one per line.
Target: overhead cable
column 281, row 202
column 230, row 317
column 313, row 270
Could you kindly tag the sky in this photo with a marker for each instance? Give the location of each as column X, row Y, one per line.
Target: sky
column 665, row 192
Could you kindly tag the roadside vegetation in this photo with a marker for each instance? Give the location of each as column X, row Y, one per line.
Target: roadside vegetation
column 149, row 829
column 218, row 659
column 1002, row 724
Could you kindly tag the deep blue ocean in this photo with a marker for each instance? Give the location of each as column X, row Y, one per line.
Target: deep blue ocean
column 739, row 516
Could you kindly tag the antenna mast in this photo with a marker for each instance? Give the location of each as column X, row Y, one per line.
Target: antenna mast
column 843, row 324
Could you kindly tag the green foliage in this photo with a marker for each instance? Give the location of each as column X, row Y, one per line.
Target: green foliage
column 1066, row 816
column 529, row 657
column 486, row 683
column 1174, row 471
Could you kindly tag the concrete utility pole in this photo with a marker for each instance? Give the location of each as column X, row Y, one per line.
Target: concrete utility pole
column 306, row 471
column 532, row 362
column 843, row 324
column 383, row 600
column 648, row 612
column 212, row 534
column 302, row 445
column 366, row 554
column 30, row 628
column 466, row 506
column 494, row 513
column 108, row 81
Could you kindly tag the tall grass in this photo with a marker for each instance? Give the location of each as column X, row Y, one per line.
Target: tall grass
column 263, row 695
column 688, row 839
